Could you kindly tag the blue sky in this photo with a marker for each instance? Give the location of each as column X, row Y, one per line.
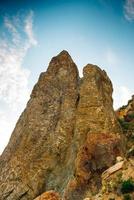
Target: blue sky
column 32, row 32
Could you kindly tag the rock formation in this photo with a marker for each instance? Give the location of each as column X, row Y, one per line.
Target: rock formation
column 65, row 138
column 125, row 116
column 126, row 112
column 50, row 195
column 114, row 178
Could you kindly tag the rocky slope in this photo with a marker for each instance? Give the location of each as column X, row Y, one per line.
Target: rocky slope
column 117, row 182
column 125, row 115
column 126, row 112
column 65, row 138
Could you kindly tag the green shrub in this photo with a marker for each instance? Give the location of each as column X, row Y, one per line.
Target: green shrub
column 127, row 186
column 127, row 197
column 124, row 125
column 131, row 116
column 123, row 107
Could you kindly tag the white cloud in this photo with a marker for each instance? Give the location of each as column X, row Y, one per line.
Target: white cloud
column 14, row 91
column 121, row 96
column 9, row 24
column 13, row 77
column 7, row 123
column 29, row 29
column 129, row 10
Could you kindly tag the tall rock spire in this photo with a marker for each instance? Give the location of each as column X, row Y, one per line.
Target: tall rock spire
column 44, row 151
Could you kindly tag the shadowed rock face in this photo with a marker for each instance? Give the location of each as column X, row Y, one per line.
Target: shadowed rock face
column 64, row 113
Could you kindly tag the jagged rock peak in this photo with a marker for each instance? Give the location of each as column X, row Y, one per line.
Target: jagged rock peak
column 51, row 146
column 91, row 69
column 61, row 71
column 62, row 60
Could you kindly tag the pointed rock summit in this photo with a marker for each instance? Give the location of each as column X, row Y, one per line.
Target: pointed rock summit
column 67, row 135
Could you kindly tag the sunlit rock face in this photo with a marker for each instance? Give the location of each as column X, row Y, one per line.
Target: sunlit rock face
column 67, row 135
column 49, row 195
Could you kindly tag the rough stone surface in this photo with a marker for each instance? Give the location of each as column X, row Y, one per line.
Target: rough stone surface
column 111, row 186
column 50, row 195
column 96, row 155
column 125, row 116
column 112, row 169
column 65, row 137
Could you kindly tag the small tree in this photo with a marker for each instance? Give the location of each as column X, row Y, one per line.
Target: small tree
column 127, row 186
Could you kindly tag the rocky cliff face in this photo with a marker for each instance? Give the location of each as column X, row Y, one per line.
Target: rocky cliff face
column 65, row 138
column 125, row 115
column 126, row 112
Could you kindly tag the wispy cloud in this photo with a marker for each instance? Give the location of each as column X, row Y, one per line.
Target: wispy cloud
column 129, row 10
column 121, row 96
column 29, row 29
column 14, row 92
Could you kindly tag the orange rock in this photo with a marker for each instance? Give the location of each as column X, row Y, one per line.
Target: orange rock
column 50, row 195
column 97, row 154
column 112, row 169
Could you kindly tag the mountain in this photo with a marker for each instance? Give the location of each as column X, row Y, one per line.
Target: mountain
column 67, row 136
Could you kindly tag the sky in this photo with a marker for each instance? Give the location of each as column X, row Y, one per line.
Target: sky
column 100, row 32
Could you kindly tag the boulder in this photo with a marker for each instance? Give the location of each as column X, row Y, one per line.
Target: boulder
column 50, row 195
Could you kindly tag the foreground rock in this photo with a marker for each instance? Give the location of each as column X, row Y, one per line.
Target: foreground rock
column 111, row 185
column 65, row 138
column 50, row 195
column 125, row 116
